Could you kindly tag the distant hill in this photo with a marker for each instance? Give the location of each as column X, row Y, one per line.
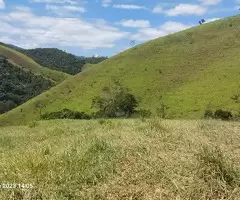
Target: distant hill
column 59, row 60
column 17, row 85
column 189, row 71
column 26, row 63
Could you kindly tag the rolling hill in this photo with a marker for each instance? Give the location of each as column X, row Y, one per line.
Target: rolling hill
column 26, row 63
column 56, row 59
column 188, row 71
column 60, row 60
column 18, row 86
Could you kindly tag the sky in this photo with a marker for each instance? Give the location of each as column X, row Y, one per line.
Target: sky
column 102, row 27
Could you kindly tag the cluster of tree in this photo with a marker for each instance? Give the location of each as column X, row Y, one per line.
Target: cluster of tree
column 113, row 102
column 18, row 86
column 59, row 60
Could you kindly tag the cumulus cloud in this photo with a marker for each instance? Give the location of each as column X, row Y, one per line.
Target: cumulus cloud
column 106, row 3
column 63, row 10
column 135, row 23
column 2, row 4
column 56, row 1
column 181, row 9
column 32, row 30
column 187, row 9
column 165, row 29
column 210, row 2
column 212, row 20
column 129, row 6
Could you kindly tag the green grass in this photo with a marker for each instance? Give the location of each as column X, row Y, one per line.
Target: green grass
column 188, row 71
column 121, row 159
column 28, row 64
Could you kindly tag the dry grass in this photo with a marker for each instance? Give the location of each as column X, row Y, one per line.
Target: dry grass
column 122, row 159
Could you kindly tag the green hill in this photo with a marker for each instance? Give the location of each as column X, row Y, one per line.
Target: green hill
column 188, row 71
column 18, row 86
column 28, row 64
column 56, row 59
column 59, row 60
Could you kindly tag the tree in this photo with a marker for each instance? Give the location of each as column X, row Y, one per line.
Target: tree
column 115, row 101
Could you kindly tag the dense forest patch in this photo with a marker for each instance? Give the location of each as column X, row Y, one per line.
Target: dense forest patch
column 18, row 86
column 59, row 60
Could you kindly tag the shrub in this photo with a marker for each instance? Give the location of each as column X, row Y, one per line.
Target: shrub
column 208, row 114
column 115, row 101
column 218, row 114
column 223, row 115
column 66, row 114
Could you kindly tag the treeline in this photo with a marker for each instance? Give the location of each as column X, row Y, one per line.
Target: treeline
column 117, row 101
column 59, row 60
column 18, row 86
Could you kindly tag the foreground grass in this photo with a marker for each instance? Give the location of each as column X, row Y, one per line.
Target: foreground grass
column 121, row 159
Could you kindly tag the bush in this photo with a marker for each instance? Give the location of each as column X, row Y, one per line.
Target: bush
column 218, row 114
column 223, row 115
column 66, row 114
column 208, row 114
column 115, row 101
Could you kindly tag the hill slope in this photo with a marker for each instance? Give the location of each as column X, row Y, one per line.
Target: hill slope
column 188, row 71
column 59, row 60
column 28, row 64
column 17, row 85
column 56, row 59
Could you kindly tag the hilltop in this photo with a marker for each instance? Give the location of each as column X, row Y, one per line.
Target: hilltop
column 188, row 71
column 60, row 60
column 26, row 63
column 56, row 59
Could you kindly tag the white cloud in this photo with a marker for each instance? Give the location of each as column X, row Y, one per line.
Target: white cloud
column 30, row 30
column 55, row 1
column 210, row 2
column 158, row 9
column 165, row 29
column 23, row 8
column 211, row 20
column 62, row 10
column 129, row 6
column 106, row 3
column 135, row 23
column 2, row 4
column 186, row 9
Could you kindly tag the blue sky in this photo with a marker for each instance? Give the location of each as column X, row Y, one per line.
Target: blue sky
column 102, row 27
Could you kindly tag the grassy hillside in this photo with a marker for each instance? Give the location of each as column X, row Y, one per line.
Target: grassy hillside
column 188, row 71
column 121, row 159
column 27, row 63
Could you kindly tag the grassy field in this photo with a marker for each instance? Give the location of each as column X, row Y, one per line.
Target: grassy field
column 122, row 159
column 189, row 71
column 27, row 63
